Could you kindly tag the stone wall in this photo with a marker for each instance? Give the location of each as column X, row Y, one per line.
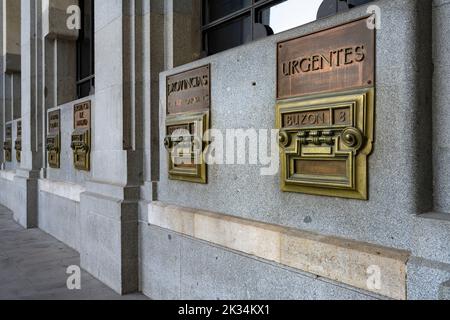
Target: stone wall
column 107, row 214
column 243, row 94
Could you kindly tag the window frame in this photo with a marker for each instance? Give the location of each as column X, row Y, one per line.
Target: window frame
column 251, row 9
column 91, row 77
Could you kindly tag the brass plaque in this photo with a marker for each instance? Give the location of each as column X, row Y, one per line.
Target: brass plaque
column 7, row 144
column 185, row 146
column 81, row 137
column 19, row 129
column 82, row 115
column 189, row 91
column 54, row 122
column 340, row 58
column 8, row 131
column 54, row 139
column 18, row 143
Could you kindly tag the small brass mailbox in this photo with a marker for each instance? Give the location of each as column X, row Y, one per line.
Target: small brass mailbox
column 81, row 137
column 184, row 143
column 53, row 151
column 7, row 144
column 18, row 143
column 53, row 142
column 325, row 141
column 187, row 120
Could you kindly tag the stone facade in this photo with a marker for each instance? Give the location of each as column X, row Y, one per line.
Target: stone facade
column 239, row 236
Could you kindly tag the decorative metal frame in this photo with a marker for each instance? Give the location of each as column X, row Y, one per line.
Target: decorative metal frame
column 192, row 150
column 351, row 143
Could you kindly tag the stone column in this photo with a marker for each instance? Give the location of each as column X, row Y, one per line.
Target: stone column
column 2, row 123
column 441, row 112
column 10, row 62
column 182, row 32
column 108, row 208
column 59, row 54
column 26, row 179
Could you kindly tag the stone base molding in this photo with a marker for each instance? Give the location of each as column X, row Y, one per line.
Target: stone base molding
column 365, row 266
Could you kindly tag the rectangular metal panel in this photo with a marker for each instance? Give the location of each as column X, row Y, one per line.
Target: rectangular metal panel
column 54, row 139
column 18, row 143
column 189, row 91
column 339, row 58
column 7, row 144
column 81, row 137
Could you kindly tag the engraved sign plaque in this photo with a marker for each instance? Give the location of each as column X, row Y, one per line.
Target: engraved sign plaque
column 187, row 119
column 7, row 144
column 339, row 58
column 189, row 91
column 54, row 122
column 325, row 111
column 82, row 116
column 81, row 137
column 54, row 139
column 8, row 131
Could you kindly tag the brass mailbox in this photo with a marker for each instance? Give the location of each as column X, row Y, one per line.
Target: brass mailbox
column 325, row 111
column 188, row 118
column 53, row 143
column 325, row 141
column 184, row 143
column 7, row 144
column 81, row 137
column 18, row 143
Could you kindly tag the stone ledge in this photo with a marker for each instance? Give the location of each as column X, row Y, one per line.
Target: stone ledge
column 337, row 259
column 61, row 189
column 7, row 175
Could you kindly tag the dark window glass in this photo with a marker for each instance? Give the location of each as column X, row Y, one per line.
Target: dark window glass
column 216, row 9
column 84, row 89
column 218, row 39
column 85, row 50
column 230, row 23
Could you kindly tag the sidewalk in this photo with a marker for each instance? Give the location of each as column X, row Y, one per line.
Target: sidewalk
column 33, row 266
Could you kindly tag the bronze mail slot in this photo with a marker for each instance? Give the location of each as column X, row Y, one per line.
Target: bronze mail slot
column 81, row 149
column 18, row 148
column 7, row 147
column 325, row 141
column 184, row 143
column 53, row 151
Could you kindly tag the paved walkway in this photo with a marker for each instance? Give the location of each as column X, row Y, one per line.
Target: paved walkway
column 33, row 266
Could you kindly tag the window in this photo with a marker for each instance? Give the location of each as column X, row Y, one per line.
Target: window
column 85, row 50
column 230, row 23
